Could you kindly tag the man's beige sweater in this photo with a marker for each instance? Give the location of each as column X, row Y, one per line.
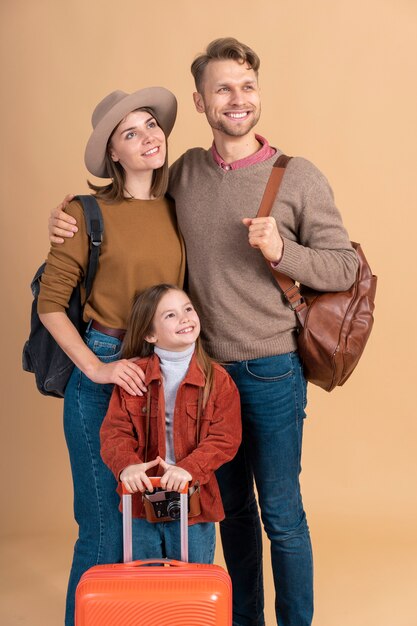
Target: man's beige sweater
column 243, row 313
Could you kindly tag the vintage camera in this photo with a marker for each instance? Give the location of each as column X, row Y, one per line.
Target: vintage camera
column 165, row 504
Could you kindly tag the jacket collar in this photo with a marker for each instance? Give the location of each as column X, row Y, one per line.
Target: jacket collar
column 194, row 375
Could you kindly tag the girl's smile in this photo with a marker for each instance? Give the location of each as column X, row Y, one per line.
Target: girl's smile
column 176, row 324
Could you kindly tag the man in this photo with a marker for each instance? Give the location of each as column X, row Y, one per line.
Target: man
column 247, row 324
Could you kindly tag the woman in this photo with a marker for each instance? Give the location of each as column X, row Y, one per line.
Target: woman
column 141, row 247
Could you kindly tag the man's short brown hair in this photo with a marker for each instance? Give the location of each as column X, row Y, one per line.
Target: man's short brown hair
column 221, row 50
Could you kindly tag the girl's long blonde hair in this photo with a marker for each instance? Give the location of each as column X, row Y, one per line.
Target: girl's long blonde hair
column 140, row 325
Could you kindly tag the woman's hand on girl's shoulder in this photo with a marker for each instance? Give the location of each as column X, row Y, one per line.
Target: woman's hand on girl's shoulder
column 124, row 373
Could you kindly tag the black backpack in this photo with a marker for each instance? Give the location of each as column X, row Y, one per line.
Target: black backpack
column 41, row 354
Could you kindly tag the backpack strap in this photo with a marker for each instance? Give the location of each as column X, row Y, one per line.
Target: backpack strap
column 95, row 229
column 289, row 287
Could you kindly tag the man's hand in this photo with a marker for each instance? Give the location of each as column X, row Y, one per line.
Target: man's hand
column 174, row 478
column 134, row 477
column 61, row 224
column 263, row 234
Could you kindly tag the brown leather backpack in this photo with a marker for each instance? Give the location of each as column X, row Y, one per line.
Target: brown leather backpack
column 333, row 326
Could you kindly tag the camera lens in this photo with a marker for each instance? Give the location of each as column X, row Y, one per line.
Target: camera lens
column 174, row 509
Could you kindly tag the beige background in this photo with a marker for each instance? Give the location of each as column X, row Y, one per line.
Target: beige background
column 338, row 81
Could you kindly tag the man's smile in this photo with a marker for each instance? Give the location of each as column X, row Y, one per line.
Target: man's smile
column 237, row 115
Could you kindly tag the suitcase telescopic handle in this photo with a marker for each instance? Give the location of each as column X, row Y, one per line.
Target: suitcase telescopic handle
column 127, row 520
column 156, row 482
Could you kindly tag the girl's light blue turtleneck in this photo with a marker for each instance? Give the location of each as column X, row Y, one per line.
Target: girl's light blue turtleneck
column 174, row 366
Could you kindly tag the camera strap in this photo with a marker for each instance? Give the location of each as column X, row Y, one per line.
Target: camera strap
column 148, row 418
column 199, row 407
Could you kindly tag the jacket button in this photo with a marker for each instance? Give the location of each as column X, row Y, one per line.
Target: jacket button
column 144, row 409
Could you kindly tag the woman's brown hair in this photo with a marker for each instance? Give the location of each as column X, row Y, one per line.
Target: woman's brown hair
column 115, row 191
column 140, row 325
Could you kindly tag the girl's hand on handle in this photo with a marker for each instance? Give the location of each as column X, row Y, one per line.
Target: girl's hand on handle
column 174, row 478
column 61, row 224
column 134, row 477
column 124, row 373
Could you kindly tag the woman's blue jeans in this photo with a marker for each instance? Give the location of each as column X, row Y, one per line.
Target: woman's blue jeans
column 96, row 503
column 273, row 398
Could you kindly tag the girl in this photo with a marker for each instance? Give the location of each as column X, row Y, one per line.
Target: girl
column 141, row 246
column 194, row 422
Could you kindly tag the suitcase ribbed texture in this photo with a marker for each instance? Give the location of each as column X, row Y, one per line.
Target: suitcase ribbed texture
column 140, row 593
column 178, row 595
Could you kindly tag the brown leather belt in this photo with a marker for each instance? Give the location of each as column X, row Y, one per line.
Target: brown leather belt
column 113, row 332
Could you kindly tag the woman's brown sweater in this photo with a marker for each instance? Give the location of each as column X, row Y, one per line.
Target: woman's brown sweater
column 141, row 247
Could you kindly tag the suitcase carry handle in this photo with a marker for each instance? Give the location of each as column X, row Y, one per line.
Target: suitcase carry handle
column 170, row 562
column 127, row 521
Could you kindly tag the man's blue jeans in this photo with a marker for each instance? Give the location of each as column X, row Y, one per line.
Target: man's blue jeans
column 96, row 503
column 273, row 398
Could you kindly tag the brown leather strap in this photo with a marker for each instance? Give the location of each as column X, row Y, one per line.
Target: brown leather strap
column 113, row 332
column 199, row 407
column 289, row 287
column 148, row 416
column 273, row 184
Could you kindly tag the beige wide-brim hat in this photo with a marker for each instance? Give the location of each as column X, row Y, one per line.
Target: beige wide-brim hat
column 113, row 108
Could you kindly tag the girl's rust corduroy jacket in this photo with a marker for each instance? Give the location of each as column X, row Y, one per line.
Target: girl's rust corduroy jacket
column 123, row 431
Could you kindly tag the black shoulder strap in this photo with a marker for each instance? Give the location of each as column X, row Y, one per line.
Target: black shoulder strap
column 95, row 228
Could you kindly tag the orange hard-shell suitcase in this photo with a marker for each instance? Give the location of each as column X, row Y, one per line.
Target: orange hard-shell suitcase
column 135, row 593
